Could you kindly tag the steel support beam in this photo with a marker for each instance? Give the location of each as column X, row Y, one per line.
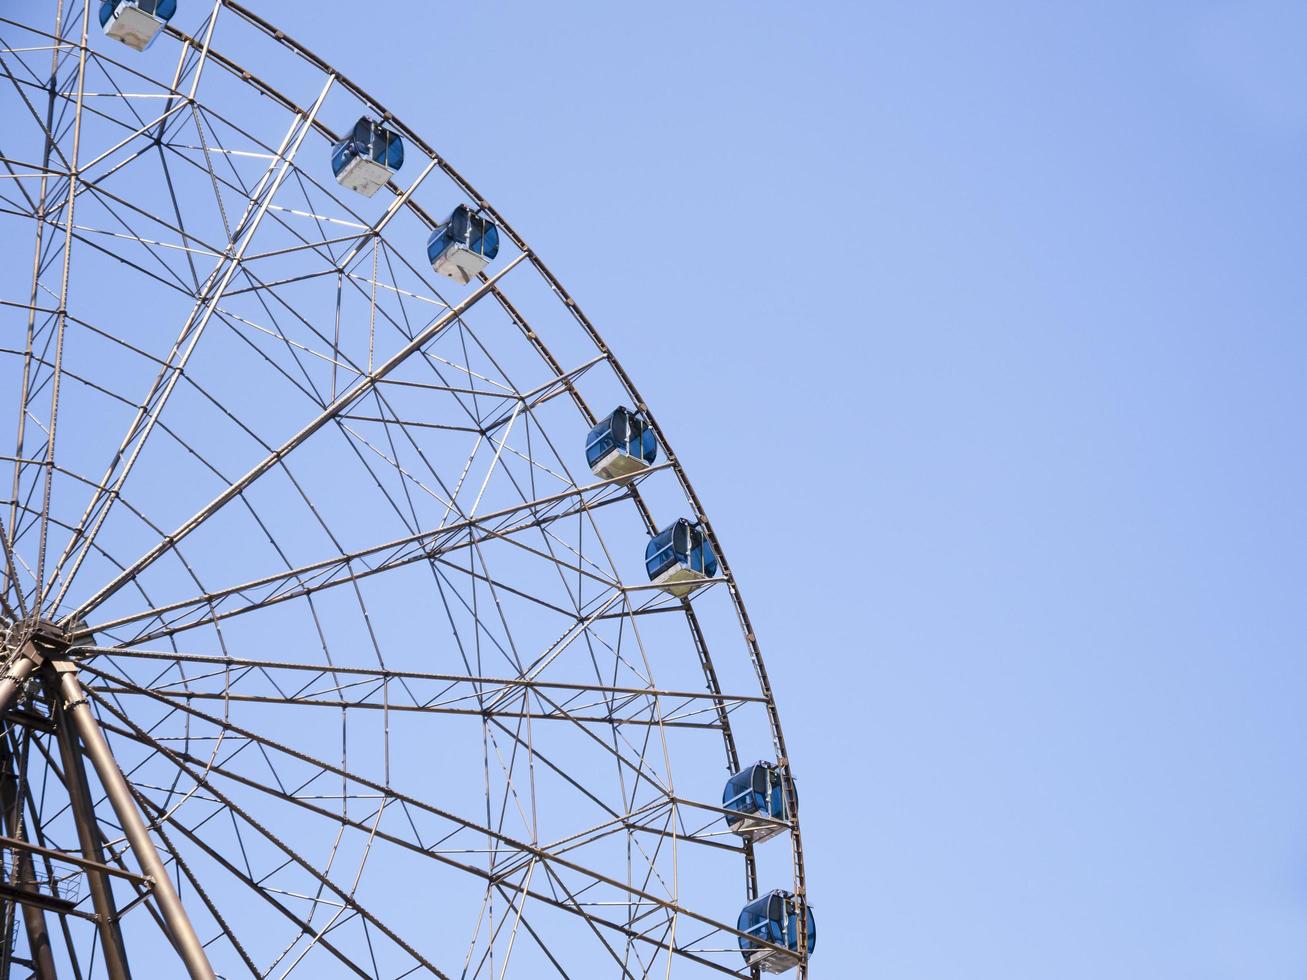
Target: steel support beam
column 82, row 806
column 183, row 935
column 17, row 670
column 38, row 936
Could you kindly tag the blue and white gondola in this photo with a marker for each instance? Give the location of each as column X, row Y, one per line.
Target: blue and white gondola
column 621, row 447
column 774, row 918
column 136, row 23
column 759, row 796
column 680, row 558
column 463, row 245
column 366, row 159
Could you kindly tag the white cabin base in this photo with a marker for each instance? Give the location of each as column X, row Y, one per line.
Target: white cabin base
column 364, row 176
column 617, row 465
column 134, row 27
column 680, row 581
column 459, row 263
column 773, row 961
column 751, row 828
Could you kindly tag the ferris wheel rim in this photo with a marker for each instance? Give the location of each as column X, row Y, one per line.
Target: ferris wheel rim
column 534, row 259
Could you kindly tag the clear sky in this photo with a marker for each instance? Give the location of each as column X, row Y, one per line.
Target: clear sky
column 980, row 329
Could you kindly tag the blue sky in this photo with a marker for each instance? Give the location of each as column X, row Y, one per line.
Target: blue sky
column 980, row 329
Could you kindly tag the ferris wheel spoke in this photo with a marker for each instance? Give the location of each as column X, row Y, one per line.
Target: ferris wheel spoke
column 19, row 182
column 557, row 714
column 105, row 555
column 573, row 902
column 104, row 495
column 177, row 214
column 139, row 430
column 619, row 823
column 540, row 944
column 159, row 252
column 98, row 845
column 339, row 405
column 142, row 130
column 38, row 86
column 496, row 583
column 199, row 775
column 384, row 793
column 341, row 569
column 225, row 930
column 257, row 888
column 60, row 324
column 551, row 540
column 304, row 384
column 11, row 579
column 513, row 910
column 201, row 51
column 380, row 693
column 289, row 675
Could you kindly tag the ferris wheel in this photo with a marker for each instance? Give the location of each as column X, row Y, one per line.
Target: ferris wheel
column 357, row 618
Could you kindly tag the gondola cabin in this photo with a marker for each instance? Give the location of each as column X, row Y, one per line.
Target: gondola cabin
column 680, row 558
column 774, row 919
column 464, row 245
column 136, row 23
column 621, row 447
column 760, row 798
column 365, row 160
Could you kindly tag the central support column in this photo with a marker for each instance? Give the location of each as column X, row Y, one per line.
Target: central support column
column 17, row 669
column 76, row 709
column 38, row 936
column 88, row 837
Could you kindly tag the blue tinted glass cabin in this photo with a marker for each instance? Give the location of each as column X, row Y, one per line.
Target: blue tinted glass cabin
column 387, row 149
column 685, row 544
column 600, row 442
column 341, row 154
column 776, row 795
column 162, row 9
column 459, row 224
column 738, row 795
column 473, row 231
column 482, row 236
column 367, row 138
column 489, row 243
column 701, row 557
column 437, row 243
column 681, row 543
column 755, row 919
column 660, row 554
column 637, row 441
column 792, row 928
column 624, row 430
column 648, row 446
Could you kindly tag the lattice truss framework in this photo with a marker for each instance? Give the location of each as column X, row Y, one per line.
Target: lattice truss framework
column 373, row 649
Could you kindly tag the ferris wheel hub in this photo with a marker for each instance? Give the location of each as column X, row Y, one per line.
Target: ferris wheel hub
column 49, row 639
